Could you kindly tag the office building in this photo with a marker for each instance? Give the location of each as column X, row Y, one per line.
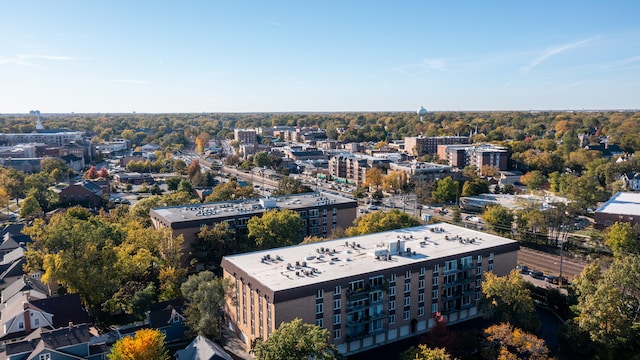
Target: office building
column 366, row 290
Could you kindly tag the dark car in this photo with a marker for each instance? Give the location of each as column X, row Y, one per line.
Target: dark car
column 536, row 274
column 551, row 279
column 523, row 269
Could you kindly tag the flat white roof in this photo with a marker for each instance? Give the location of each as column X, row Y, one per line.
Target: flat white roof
column 624, row 203
column 301, row 265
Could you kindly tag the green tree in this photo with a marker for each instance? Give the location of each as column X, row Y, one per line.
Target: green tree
column 12, row 181
column 185, row 186
column 474, row 187
column 534, row 180
column 507, row 299
column 499, row 218
column 212, row 243
column 261, row 159
column 446, row 190
column 229, row 191
column 609, row 305
column 206, row 295
column 622, row 239
column 423, row 352
column 276, row 228
column 382, row 221
column 77, row 250
column 145, row 344
column 173, row 183
column 296, row 341
column 289, row 185
column 373, row 178
column 30, row 208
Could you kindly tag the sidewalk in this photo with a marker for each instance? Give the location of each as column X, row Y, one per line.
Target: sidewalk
column 234, row 346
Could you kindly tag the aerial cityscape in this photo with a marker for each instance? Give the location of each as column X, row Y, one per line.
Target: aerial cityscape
column 335, row 180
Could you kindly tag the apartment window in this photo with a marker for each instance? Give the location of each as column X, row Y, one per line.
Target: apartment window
column 450, row 265
column 421, row 311
column 392, row 304
column 407, row 275
column 434, row 308
column 336, row 319
column 337, row 290
column 478, row 296
column 421, row 284
column 334, row 218
column 490, row 268
column 320, row 322
column 319, row 308
column 407, row 315
column 375, row 296
column 46, row 356
column 407, row 287
column 434, row 294
column 393, row 278
column 356, row 285
column 407, row 301
column 376, row 280
column 392, row 290
column 478, row 283
column 422, row 270
column 392, row 319
column 491, row 256
column 20, row 325
column 479, row 259
column 436, row 268
column 337, row 333
column 337, row 303
column 435, row 280
column 421, row 297
column 335, row 210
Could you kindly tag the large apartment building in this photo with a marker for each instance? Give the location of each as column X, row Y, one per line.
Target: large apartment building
column 475, row 155
column 420, row 145
column 321, row 213
column 366, row 290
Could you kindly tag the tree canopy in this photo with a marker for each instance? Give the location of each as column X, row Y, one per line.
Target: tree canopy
column 206, row 294
column 296, row 340
column 145, row 344
column 507, row 299
column 499, row 218
column 276, row 228
column 382, row 221
column 622, row 239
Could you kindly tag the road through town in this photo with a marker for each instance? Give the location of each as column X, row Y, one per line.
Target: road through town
column 549, row 264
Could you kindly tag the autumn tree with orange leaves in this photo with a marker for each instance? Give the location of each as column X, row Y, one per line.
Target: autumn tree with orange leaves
column 145, row 344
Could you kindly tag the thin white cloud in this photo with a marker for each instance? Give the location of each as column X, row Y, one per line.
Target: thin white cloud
column 628, row 61
column 131, row 81
column 31, row 60
column 272, row 23
column 436, row 64
column 555, row 51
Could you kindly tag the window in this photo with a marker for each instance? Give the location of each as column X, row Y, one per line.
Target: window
column 376, row 281
column 319, row 308
column 407, row 301
column 36, row 321
column 421, row 284
column 466, row 262
column 421, row 297
column 337, row 333
column 435, row 280
column 434, row 294
column 338, row 290
column 46, row 356
column 337, row 303
column 336, row 319
column 434, row 308
column 478, row 296
column 491, row 256
column 407, row 315
column 20, row 325
column 392, row 290
column 356, row 285
column 450, row 265
column 320, row 322
column 392, row 305
column 479, row 259
column 393, row 278
column 407, row 287
column 421, row 311
column 422, row 270
column 375, row 296
column 392, row 319
column 478, row 270
column 407, row 275
column 478, row 283
column 490, row 268
column 436, row 268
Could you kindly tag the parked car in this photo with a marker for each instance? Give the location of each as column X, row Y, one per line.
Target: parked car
column 536, row 274
column 551, row 279
column 523, row 269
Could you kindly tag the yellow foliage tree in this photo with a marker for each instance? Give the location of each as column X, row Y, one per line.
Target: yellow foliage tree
column 145, row 344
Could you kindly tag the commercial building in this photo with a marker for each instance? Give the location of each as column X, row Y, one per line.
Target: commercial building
column 622, row 207
column 422, row 172
column 245, row 136
column 366, row 290
column 321, row 213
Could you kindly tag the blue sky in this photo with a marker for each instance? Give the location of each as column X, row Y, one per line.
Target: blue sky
column 264, row 56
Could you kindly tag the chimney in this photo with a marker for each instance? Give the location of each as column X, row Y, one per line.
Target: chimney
column 27, row 318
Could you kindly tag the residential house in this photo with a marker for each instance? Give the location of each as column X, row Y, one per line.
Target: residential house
column 202, row 348
column 72, row 342
column 167, row 316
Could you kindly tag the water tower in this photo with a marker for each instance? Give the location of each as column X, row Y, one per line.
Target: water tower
column 422, row 112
